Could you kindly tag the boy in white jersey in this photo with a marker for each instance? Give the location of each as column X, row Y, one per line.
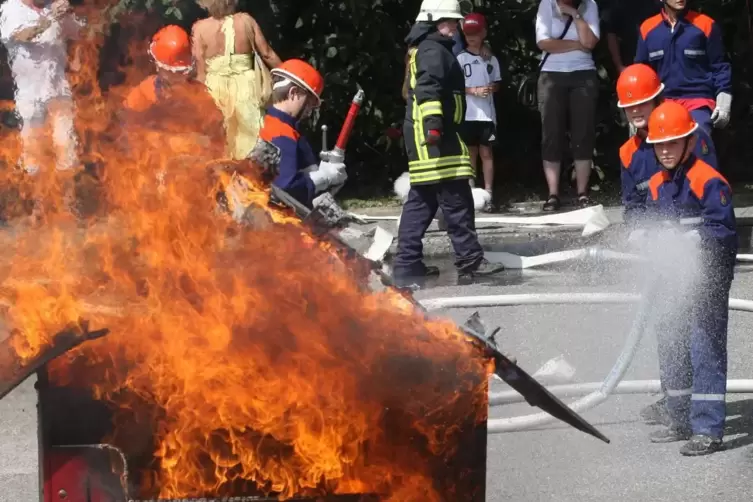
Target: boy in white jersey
column 482, row 80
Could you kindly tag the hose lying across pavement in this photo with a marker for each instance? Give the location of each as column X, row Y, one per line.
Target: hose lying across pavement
column 597, row 392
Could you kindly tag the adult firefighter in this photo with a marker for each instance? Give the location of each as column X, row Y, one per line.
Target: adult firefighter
column 296, row 93
column 686, row 50
column 694, row 366
column 438, row 161
column 639, row 92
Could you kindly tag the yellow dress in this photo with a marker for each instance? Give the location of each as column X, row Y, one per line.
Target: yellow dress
column 231, row 82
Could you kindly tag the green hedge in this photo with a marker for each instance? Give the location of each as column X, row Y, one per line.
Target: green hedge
column 360, row 43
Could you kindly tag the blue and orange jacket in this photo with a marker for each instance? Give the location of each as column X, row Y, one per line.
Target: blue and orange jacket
column 689, row 58
column 638, row 163
column 296, row 155
column 696, row 190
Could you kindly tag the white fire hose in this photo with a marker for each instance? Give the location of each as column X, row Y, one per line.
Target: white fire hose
column 596, row 392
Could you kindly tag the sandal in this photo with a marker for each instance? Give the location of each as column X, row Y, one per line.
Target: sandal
column 585, row 201
column 552, row 203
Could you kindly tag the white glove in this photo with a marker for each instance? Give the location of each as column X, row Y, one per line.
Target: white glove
column 636, row 236
column 693, row 236
column 329, row 174
column 723, row 109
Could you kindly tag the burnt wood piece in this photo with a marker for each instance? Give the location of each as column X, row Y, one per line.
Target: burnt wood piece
column 13, row 370
column 534, row 393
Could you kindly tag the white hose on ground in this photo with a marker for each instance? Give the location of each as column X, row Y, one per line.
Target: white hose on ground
column 513, row 261
column 624, row 387
column 601, row 391
column 550, row 299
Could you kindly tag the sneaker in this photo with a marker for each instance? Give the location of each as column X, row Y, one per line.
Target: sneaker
column 552, row 203
column 671, row 434
column 657, row 413
column 701, row 444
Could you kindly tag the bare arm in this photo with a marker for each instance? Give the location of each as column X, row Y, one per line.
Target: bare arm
column 261, row 46
column 31, row 32
column 553, row 46
column 587, row 37
column 197, row 48
column 613, row 43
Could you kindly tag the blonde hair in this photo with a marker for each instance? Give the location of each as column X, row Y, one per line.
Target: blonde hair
column 219, row 8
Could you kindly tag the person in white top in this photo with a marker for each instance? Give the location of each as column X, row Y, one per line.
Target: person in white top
column 482, row 80
column 35, row 33
column 568, row 87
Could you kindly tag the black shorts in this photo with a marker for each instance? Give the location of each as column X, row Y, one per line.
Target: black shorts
column 479, row 133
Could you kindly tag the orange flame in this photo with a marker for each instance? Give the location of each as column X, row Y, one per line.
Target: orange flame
column 267, row 359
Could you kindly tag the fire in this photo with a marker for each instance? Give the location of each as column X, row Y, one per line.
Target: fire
column 250, row 357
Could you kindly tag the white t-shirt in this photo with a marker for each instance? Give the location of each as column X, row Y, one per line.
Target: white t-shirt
column 550, row 24
column 38, row 66
column 479, row 73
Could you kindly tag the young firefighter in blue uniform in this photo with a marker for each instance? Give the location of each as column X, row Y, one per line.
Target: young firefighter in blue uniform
column 296, row 91
column 694, row 371
column 639, row 93
column 439, row 163
column 685, row 48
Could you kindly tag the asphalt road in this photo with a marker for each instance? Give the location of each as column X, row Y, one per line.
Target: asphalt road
column 554, row 463
column 557, row 463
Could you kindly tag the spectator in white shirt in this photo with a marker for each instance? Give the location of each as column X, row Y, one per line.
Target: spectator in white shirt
column 481, row 82
column 35, row 33
column 568, row 87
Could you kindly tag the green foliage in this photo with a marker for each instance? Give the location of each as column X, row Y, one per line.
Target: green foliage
column 360, row 43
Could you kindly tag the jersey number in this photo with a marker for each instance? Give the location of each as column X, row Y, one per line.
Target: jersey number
column 467, row 70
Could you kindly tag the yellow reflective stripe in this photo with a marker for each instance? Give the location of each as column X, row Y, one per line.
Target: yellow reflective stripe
column 431, row 108
column 413, row 69
column 458, row 109
column 438, row 162
column 449, row 172
column 463, row 146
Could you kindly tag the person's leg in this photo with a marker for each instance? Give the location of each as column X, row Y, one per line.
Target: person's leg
column 33, row 115
column 63, row 133
column 583, row 96
column 709, row 359
column 552, row 97
column 456, row 201
column 676, row 377
column 418, row 212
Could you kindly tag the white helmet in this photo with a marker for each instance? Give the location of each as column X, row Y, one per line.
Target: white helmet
column 434, row 10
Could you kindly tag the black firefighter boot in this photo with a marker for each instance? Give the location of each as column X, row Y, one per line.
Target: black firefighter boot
column 483, row 268
column 417, row 281
column 701, row 444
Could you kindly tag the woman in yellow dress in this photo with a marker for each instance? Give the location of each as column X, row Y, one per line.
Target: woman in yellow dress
column 227, row 46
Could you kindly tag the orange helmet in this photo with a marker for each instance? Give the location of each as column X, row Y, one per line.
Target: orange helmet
column 637, row 84
column 171, row 49
column 301, row 74
column 670, row 121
